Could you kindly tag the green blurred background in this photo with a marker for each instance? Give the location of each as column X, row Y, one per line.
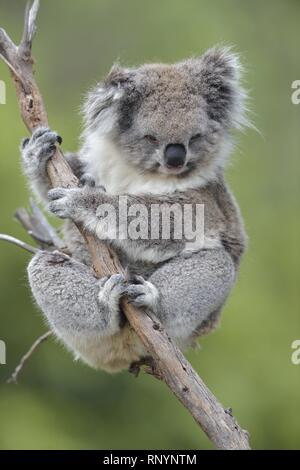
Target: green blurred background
column 61, row 404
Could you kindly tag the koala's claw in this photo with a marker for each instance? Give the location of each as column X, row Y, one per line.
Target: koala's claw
column 142, row 293
column 38, row 149
column 112, row 288
column 115, row 282
column 69, row 203
column 74, row 203
column 61, row 202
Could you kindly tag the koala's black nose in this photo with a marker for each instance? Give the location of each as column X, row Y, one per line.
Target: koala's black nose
column 175, row 155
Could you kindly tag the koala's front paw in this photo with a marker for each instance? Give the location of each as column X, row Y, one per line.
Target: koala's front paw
column 65, row 202
column 112, row 288
column 142, row 293
column 37, row 150
column 75, row 203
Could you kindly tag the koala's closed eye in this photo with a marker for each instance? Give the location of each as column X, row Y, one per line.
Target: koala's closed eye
column 195, row 138
column 151, row 139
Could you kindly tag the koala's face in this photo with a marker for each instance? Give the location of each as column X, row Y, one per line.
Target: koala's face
column 174, row 119
column 167, row 132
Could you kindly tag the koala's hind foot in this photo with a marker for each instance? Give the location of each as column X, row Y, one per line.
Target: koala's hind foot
column 143, row 293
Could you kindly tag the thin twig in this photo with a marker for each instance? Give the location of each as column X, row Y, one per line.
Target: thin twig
column 38, row 227
column 15, row 375
column 45, row 227
column 32, row 227
column 20, row 243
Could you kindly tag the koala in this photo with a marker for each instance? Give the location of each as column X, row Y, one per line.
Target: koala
column 156, row 134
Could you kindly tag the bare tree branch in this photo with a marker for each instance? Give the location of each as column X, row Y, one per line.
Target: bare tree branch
column 29, row 26
column 44, row 226
column 8, row 52
column 19, row 243
column 38, row 227
column 15, row 375
column 168, row 362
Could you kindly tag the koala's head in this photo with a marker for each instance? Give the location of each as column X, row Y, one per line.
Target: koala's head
column 172, row 120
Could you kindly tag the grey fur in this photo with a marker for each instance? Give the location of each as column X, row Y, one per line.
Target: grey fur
column 195, row 103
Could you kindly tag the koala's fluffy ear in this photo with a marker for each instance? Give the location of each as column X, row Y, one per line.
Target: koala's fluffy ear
column 217, row 75
column 99, row 104
column 118, row 76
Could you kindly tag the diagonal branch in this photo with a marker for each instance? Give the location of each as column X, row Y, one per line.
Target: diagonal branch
column 168, row 362
column 20, row 243
column 8, row 52
column 38, row 227
column 7, row 48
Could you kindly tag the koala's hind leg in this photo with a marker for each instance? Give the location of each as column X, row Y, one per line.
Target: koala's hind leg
column 192, row 292
column 82, row 310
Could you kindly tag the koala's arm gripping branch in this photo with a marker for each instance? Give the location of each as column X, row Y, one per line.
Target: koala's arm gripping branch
column 167, row 361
